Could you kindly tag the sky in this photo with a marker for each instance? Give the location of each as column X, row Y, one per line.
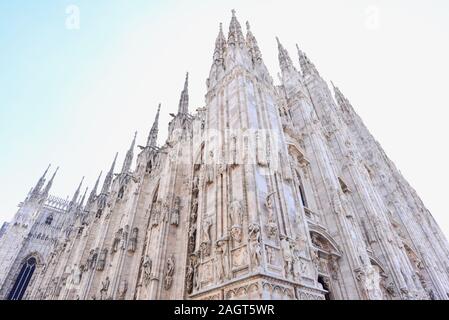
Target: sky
column 78, row 78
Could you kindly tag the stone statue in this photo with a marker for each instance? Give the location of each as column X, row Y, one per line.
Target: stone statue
column 124, row 237
column 92, row 260
column 194, row 209
column 189, row 275
column 169, row 271
column 206, row 239
column 104, row 288
column 117, row 238
column 147, row 266
column 155, row 213
column 236, row 213
column 192, row 237
column 219, row 260
column 254, row 244
column 196, row 185
column 288, row 256
column 78, row 274
column 271, row 226
column 132, row 245
column 102, row 259
column 174, row 218
column 122, row 289
column 236, row 233
column 372, row 283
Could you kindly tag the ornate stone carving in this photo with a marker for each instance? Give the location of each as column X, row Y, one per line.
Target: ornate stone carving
column 169, row 271
column 272, row 227
column 192, row 237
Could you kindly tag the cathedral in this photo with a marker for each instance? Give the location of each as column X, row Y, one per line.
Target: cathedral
column 268, row 191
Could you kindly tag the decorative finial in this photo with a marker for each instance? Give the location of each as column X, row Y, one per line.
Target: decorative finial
column 221, row 27
column 277, row 40
column 248, row 26
column 233, row 12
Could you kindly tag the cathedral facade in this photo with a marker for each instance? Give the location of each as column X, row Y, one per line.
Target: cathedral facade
column 269, row 191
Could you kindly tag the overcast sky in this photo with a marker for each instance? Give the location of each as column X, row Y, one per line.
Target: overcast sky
column 74, row 96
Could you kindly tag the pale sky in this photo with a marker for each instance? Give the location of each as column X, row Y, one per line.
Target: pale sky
column 73, row 97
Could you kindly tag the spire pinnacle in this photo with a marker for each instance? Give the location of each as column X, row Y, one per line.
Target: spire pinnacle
column 253, row 47
column 184, row 100
column 235, row 35
column 152, row 137
column 108, row 179
column 50, row 182
column 77, row 192
column 82, row 198
column 285, row 61
column 41, row 181
column 307, row 66
column 129, row 156
column 93, row 193
column 220, row 47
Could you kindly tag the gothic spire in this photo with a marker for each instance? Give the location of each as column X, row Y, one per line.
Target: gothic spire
column 108, row 179
column 184, row 100
column 251, row 41
column 342, row 101
column 220, row 47
column 40, row 182
column 129, row 156
column 235, row 35
column 77, row 193
column 93, row 193
column 285, row 62
column 307, row 66
column 50, row 183
column 152, row 137
column 80, row 205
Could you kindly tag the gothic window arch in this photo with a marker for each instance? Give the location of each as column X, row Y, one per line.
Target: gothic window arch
column 23, row 279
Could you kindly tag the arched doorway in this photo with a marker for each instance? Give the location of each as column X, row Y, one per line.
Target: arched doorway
column 23, row 279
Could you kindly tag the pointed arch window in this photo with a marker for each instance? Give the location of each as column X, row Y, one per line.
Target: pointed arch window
column 23, row 279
